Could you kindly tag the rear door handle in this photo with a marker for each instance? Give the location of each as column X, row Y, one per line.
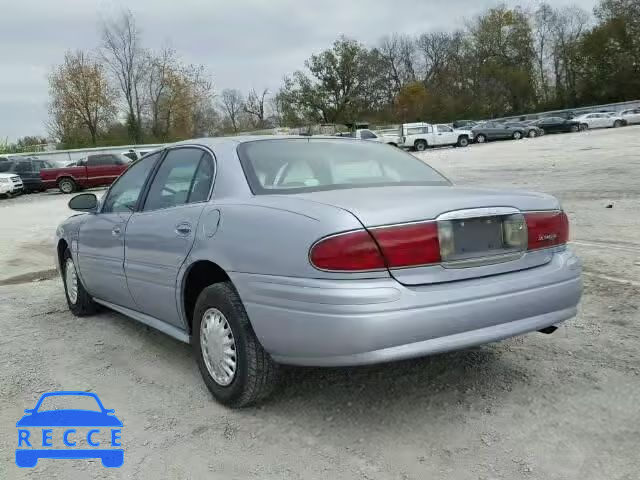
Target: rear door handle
column 115, row 231
column 183, row 229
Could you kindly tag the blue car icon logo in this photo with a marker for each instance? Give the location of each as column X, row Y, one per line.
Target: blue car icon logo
column 69, row 433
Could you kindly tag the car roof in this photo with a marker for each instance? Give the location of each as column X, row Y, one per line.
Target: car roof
column 214, row 142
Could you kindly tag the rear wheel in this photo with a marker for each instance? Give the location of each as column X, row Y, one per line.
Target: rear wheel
column 463, row 141
column 67, row 185
column 532, row 133
column 233, row 364
column 575, row 128
column 481, row 138
column 79, row 301
column 516, row 135
column 617, row 123
column 420, row 145
column 582, row 127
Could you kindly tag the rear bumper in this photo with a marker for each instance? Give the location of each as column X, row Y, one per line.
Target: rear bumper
column 339, row 323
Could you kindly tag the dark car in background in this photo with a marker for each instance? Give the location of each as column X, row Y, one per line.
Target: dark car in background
column 28, row 169
column 558, row 125
column 464, row 124
column 530, row 130
column 488, row 131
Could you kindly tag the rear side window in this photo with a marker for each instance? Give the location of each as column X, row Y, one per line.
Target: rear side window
column 106, row 159
column 185, row 176
column 306, row 165
column 22, row 167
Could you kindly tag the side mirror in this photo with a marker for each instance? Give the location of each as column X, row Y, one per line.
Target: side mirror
column 85, row 202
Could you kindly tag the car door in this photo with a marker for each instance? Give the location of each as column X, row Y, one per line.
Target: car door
column 445, row 135
column 160, row 236
column 101, row 236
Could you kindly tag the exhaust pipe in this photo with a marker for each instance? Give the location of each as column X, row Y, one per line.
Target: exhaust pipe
column 548, row 330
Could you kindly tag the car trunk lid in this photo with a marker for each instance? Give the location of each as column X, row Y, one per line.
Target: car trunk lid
column 478, row 228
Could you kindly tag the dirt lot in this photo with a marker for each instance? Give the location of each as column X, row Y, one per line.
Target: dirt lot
column 561, row 406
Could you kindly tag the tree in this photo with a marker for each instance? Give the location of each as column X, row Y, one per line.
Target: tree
column 503, row 62
column 81, row 97
column 343, row 82
column 412, row 102
column 568, row 28
column 397, row 53
column 544, row 21
column 122, row 52
column 232, row 104
column 255, row 106
column 179, row 97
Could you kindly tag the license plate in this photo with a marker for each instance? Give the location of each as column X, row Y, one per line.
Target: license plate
column 475, row 235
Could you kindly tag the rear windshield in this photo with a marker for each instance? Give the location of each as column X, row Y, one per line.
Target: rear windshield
column 308, row 165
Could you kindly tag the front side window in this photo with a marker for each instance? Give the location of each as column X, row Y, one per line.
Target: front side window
column 301, row 165
column 124, row 193
column 185, row 176
column 366, row 135
column 444, row 129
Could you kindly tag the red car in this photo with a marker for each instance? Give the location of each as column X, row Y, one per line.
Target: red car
column 93, row 171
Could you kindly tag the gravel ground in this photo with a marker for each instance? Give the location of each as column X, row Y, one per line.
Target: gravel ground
column 561, row 406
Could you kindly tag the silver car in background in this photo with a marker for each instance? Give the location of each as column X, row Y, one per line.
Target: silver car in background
column 315, row 251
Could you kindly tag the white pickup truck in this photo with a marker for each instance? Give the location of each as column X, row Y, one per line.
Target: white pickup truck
column 421, row 136
column 366, row 134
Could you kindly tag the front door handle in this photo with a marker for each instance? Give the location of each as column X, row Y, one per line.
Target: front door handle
column 183, row 229
column 115, row 231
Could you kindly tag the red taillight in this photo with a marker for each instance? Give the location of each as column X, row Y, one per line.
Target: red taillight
column 547, row 229
column 393, row 247
column 409, row 245
column 351, row 251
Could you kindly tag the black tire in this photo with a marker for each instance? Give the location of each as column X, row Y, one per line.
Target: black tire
column 481, row 138
column 463, row 141
column 67, row 185
column 575, row 128
column 84, row 304
column 420, row 145
column 256, row 373
column 617, row 124
column 532, row 134
column 517, row 135
column 582, row 127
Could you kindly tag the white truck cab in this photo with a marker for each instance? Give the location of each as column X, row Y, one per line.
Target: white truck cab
column 421, row 136
column 366, row 134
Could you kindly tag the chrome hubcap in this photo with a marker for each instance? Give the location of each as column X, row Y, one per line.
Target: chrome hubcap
column 218, row 347
column 71, row 280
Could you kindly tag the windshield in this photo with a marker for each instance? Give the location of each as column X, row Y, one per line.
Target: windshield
column 307, row 165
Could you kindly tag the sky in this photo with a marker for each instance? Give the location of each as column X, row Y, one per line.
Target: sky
column 242, row 43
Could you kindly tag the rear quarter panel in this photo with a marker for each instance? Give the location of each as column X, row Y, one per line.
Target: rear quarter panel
column 271, row 235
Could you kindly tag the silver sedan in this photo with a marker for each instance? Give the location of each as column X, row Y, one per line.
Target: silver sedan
column 262, row 251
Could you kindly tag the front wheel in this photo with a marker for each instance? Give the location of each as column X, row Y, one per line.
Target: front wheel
column 582, row 127
column 617, row 123
column 532, row 134
column 463, row 141
column 79, row 301
column 481, row 138
column 233, row 364
column 516, row 135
